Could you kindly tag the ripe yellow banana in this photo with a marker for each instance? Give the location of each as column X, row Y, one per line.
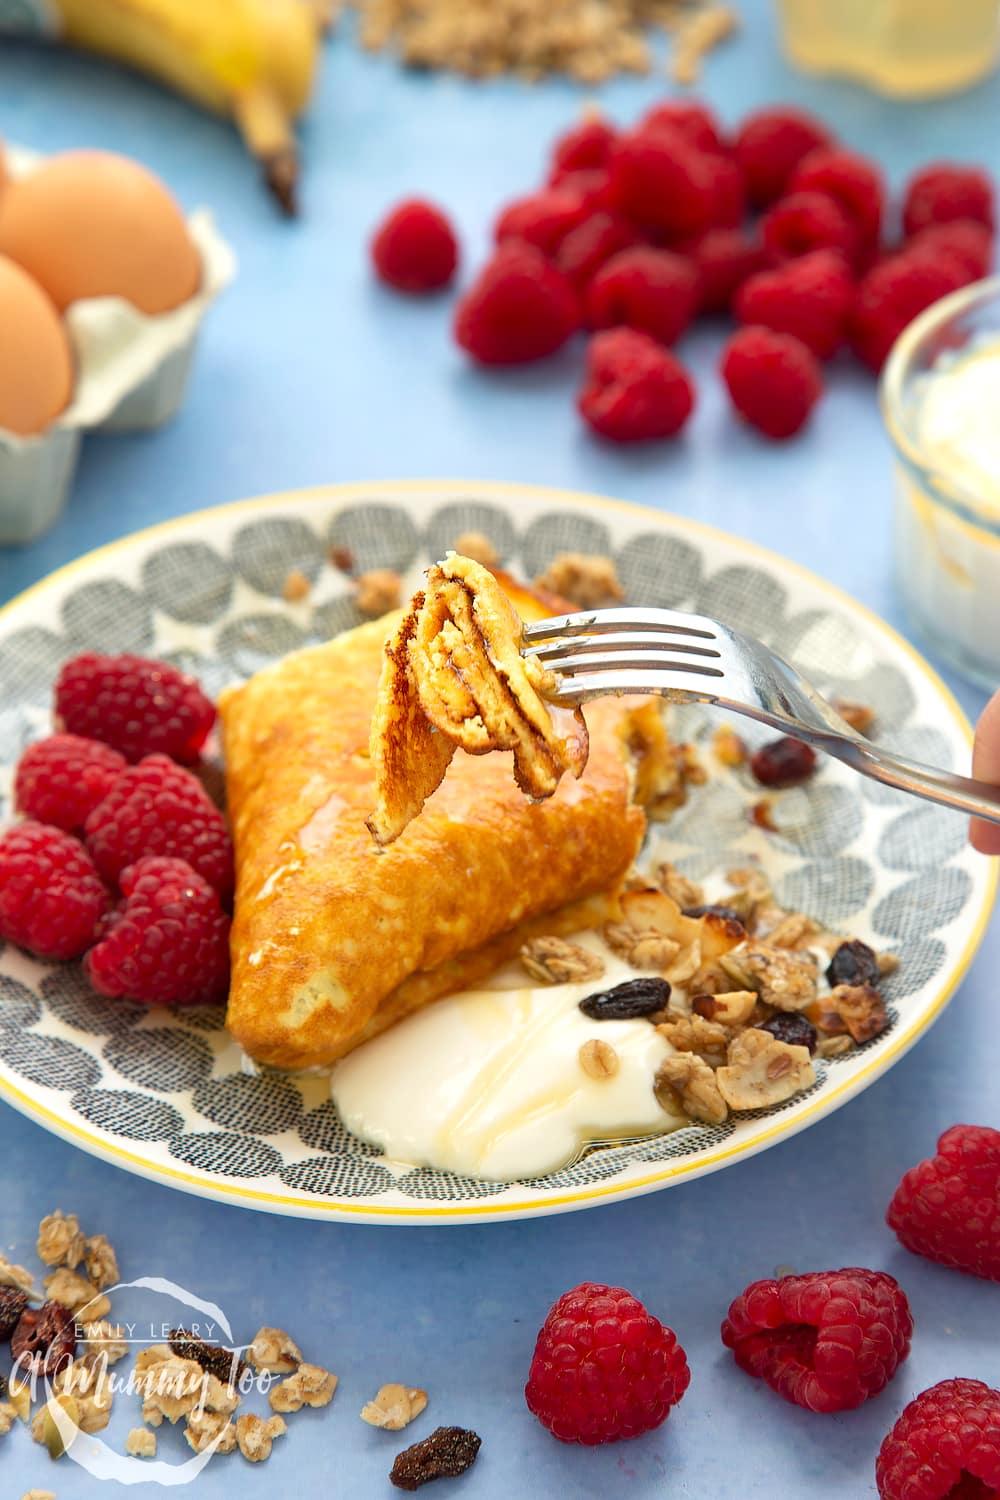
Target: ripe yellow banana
column 254, row 60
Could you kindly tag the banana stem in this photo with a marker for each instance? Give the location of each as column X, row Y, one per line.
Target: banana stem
column 267, row 131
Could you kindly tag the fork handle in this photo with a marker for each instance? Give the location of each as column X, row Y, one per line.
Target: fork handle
column 962, row 793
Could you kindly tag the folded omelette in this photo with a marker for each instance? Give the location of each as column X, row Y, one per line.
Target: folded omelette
column 334, row 938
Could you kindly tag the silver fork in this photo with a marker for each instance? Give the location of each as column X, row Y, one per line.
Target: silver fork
column 691, row 659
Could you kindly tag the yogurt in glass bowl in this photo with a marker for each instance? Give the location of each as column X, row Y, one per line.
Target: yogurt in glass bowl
column 940, row 397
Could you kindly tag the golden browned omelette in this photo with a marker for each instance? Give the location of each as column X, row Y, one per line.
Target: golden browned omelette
column 454, row 678
column 334, row 938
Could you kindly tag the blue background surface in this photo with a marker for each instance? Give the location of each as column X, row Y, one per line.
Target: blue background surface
column 309, row 373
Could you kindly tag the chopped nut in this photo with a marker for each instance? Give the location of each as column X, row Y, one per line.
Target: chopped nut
column 78, row 1294
column 202, row 1428
column 685, row 1080
column 782, row 977
column 377, row 592
column 834, row 1046
column 730, row 1008
column 296, row 587
column 598, row 1059
column 695, row 1034
column 275, row 1351
column 101, row 1261
column 254, row 1436
column 60, row 1240
column 8, row 1416
column 551, row 960
column 11, row 1275
column 643, row 950
column 583, row 578
column 44, row 1429
column 859, row 715
column 477, row 545
column 825, row 1016
column 762, row 1071
column 888, row 963
column 141, row 1443
column 105, row 1339
column 728, row 749
column 678, row 887
column 342, row 558
column 862, row 1010
column 793, row 931
column 394, row 1407
column 309, row 1386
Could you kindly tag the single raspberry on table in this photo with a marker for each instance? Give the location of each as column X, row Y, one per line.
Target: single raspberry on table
column 61, row 779
column 659, row 180
column 826, row 1341
column 415, row 248
column 541, row 219
column 168, row 943
column 892, row 295
column 135, row 705
column 52, row 898
column 948, row 1208
column 945, row 1446
column 944, row 191
column 604, row 1368
column 769, row 145
column 853, row 182
column 773, row 380
column 157, row 807
column 519, row 309
column 652, row 290
column 634, row 390
column 585, row 145
column 723, row 259
column 695, row 122
column 593, row 242
column 810, row 297
column 804, row 222
column 963, row 240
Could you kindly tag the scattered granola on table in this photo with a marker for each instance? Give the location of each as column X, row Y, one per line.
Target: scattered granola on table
column 60, row 1240
column 394, row 1408
column 275, row 1351
column 141, row 1443
column 255, row 1435
column 309, row 1386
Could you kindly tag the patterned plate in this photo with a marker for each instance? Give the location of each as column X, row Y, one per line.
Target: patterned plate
column 166, row 1094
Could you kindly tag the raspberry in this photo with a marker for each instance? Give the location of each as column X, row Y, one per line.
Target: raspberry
column 948, row 1208
column 519, row 309
column 963, row 240
column 137, row 706
column 773, row 380
column 635, row 390
column 159, row 808
column 604, row 1368
column 729, row 199
column 541, row 219
column 826, row 1341
column 51, row 896
column 942, row 192
column 811, row 297
column 585, row 145
column 695, row 122
column 891, row 296
column 593, row 242
column 769, row 146
column 945, row 1446
column 592, row 185
column 723, row 259
column 804, row 222
column 168, row 944
column 853, row 182
column 61, row 779
column 414, row 249
column 660, row 180
column 652, row 290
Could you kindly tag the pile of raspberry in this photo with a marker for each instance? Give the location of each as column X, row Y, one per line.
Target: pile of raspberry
column 605, row 1368
column 636, row 233
column 120, row 856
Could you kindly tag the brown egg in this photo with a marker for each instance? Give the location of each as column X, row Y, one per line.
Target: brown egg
column 36, row 361
column 92, row 224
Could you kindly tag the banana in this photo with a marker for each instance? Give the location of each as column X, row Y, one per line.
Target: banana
column 252, row 60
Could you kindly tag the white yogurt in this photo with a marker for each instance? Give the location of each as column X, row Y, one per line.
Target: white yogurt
column 489, row 1083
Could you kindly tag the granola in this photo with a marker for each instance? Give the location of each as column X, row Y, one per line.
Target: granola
column 8, row 1416
column 309, row 1386
column 78, row 1294
column 105, row 1339
column 101, row 1261
column 394, row 1407
column 275, row 1351
column 203, row 1428
column 296, row 587
column 782, row 977
column 378, row 592
column 91, row 1387
column 11, row 1275
column 586, row 579
column 255, row 1435
column 477, row 545
column 60, row 1240
column 862, row 1010
column 761, row 1071
column 598, row 1059
column 686, row 1082
column 551, row 960
column 141, row 1443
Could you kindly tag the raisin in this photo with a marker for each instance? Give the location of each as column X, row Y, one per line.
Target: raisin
column 12, row 1304
column 784, row 762
column 791, row 1027
column 854, row 963
column 448, row 1452
column 225, row 1364
column 636, row 997
column 726, row 912
column 3, row 1386
column 44, row 1340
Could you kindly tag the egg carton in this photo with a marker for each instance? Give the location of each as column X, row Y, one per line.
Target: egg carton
column 132, row 370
